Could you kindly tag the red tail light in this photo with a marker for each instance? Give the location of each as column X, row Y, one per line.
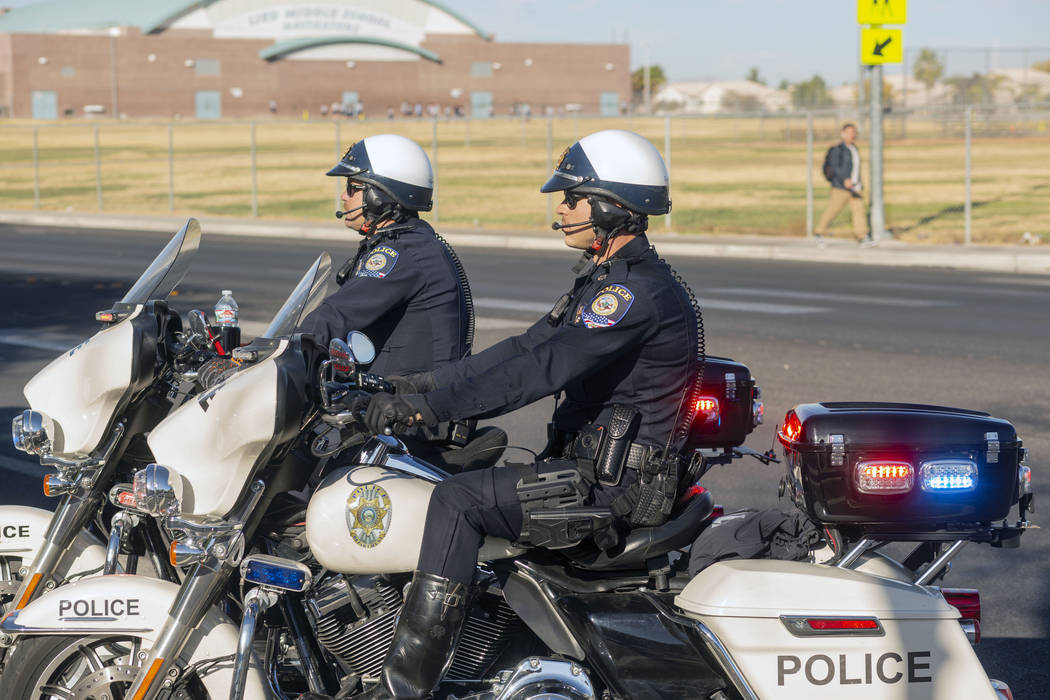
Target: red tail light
column 791, row 431
column 968, row 602
column 717, row 512
column 823, row 624
column 706, row 406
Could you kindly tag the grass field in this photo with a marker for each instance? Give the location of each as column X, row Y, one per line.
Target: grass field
column 727, row 175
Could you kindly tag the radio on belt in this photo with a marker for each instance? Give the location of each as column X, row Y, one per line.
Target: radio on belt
column 894, row 467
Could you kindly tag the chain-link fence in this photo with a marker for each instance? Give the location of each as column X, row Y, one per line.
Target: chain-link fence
column 745, row 173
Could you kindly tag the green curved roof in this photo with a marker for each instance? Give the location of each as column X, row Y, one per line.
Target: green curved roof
column 283, row 48
column 149, row 16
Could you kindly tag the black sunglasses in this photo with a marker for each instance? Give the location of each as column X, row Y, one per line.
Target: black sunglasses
column 352, row 187
column 571, row 199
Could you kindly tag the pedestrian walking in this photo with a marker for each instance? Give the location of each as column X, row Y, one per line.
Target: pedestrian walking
column 842, row 170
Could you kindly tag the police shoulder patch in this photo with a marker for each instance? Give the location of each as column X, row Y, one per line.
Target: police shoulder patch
column 379, row 263
column 607, row 307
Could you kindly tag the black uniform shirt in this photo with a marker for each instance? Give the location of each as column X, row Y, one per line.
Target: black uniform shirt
column 629, row 336
column 405, row 294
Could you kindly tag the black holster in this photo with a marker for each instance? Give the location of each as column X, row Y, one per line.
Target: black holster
column 655, row 492
column 552, row 514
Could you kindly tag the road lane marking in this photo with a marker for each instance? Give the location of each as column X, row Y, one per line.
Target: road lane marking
column 830, row 296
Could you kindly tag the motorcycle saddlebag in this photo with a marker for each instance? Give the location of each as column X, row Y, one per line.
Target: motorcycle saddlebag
column 900, row 467
column 727, row 410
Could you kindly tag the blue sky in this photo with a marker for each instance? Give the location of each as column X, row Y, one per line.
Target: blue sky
column 785, row 39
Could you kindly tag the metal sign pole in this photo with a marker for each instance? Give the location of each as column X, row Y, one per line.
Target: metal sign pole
column 171, row 167
column 550, row 164
column 878, row 220
column 255, row 181
column 98, row 170
column 36, row 169
column 969, row 164
column 809, row 174
column 340, row 184
column 667, row 157
column 434, row 165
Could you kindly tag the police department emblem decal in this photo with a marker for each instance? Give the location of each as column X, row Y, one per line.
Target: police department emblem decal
column 368, row 512
column 608, row 307
column 380, row 263
column 605, row 305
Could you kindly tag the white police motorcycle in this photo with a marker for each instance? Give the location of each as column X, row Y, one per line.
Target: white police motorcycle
column 274, row 606
column 89, row 409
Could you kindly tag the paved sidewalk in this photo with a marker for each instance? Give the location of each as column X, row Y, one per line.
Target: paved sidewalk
column 1005, row 258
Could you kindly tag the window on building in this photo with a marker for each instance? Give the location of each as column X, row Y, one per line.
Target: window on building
column 67, row 71
column 207, row 66
column 481, row 69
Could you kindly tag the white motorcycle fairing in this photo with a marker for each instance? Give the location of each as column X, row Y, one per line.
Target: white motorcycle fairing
column 369, row 520
column 138, row 606
column 214, row 440
column 22, row 530
column 81, row 389
column 919, row 651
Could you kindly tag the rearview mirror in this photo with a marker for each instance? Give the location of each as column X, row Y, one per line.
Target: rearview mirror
column 361, row 348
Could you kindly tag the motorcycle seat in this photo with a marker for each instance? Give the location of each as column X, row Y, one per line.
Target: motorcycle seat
column 645, row 543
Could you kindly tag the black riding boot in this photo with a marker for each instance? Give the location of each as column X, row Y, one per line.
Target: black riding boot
column 423, row 640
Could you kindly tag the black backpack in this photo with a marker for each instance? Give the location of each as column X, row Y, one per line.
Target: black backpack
column 829, row 169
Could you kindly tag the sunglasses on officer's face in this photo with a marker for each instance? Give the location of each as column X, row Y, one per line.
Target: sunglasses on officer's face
column 572, row 199
column 352, row 187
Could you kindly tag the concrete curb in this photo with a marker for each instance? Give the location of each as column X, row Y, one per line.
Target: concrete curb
column 1013, row 259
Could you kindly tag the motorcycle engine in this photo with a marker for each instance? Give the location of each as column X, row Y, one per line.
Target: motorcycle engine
column 355, row 617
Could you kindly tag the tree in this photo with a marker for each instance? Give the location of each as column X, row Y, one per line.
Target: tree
column 928, row 70
column 754, row 77
column 975, row 88
column 811, row 94
column 656, row 78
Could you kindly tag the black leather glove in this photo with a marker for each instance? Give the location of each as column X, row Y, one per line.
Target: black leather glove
column 391, row 410
column 415, row 383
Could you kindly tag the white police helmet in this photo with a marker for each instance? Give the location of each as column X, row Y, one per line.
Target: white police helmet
column 617, row 164
column 394, row 164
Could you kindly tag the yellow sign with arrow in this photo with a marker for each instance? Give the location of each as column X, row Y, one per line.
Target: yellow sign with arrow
column 878, row 46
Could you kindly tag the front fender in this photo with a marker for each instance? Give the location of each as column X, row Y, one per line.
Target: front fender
column 22, row 530
column 137, row 606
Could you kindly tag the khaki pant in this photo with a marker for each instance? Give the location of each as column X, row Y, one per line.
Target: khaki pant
column 839, row 199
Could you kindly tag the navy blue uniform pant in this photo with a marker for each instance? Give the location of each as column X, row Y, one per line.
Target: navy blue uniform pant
column 467, row 507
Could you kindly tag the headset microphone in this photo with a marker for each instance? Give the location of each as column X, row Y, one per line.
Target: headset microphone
column 341, row 214
column 581, row 225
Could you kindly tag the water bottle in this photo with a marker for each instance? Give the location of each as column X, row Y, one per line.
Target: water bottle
column 226, row 319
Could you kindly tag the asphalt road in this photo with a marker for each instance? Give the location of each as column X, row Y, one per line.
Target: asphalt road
column 809, row 332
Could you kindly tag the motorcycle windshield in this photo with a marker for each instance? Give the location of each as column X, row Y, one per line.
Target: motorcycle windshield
column 168, row 268
column 306, row 296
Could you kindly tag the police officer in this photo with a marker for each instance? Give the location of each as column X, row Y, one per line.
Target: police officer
column 405, row 287
column 625, row 348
